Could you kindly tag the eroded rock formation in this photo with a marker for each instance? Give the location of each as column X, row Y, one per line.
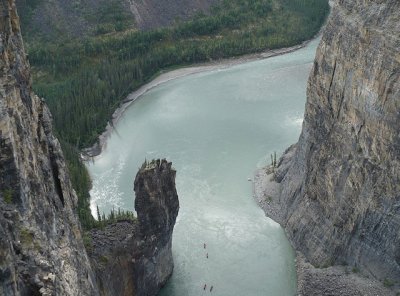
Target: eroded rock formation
column 340, row 184
column 134, row 257
column 41, row 250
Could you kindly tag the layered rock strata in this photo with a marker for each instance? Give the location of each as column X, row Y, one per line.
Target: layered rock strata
column 41, row 250
column 338, row 191
column 134, row 257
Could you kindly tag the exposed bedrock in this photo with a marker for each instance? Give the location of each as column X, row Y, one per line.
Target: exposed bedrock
column 340, row 184
column 41, row 246
column 134, row 257
column 152, row 14
column 41, row 250
column 65, row 18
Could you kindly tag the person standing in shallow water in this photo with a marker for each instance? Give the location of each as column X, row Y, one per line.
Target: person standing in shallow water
column 205, row 287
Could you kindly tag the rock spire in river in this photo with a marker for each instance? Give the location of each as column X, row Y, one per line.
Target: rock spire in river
column 156, row 201
column 138, row 253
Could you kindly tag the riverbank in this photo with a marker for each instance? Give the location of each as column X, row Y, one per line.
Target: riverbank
column 203, row 123
column 334, row 280
column 163, row 77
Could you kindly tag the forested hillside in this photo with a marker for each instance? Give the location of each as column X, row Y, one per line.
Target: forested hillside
column 85, row 79
column 63, row 19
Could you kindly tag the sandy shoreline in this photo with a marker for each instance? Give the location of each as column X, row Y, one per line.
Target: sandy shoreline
column 97, row 148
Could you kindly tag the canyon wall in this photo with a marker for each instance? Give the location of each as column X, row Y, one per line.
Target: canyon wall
column 340, row 184
column 41, row 245
column 41, row 250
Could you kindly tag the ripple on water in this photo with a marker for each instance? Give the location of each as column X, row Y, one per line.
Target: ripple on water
column 216, row 128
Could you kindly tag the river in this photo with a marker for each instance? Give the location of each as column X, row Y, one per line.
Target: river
column 216, row 127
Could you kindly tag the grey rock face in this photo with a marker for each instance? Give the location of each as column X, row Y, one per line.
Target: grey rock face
column 78, row 18
column 151, row 14
column 41, row 251
column 134, row 257
column 341, row 188
column 156, row 200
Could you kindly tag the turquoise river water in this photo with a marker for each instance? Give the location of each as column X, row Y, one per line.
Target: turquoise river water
column 216, row 127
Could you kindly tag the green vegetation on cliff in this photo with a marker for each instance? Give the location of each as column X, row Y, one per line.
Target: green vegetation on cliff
column 85, row 80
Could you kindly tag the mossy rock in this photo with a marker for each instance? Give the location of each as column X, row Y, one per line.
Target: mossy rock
column 26, row 237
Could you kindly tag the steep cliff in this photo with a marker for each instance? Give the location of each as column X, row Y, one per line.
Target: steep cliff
column 41, row 251
column 134, row 257
column 339, row 192
column 41, row 248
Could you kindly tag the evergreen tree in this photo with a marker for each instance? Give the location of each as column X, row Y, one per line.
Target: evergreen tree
column 84, row 81
column 98, row 215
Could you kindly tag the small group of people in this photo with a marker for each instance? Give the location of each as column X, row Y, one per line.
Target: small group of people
column 205, row 246
column 205, row 285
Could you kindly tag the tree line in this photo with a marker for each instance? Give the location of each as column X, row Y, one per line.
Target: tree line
column 85, row 80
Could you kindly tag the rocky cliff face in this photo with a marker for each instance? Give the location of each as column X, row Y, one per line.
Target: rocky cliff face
column 340, row 184
column 51, row 19
column 152, row 14
column 41, row 251
column 134, row 257
column 41, row 248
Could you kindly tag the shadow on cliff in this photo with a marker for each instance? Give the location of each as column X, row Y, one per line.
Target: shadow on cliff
column 133, row 257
